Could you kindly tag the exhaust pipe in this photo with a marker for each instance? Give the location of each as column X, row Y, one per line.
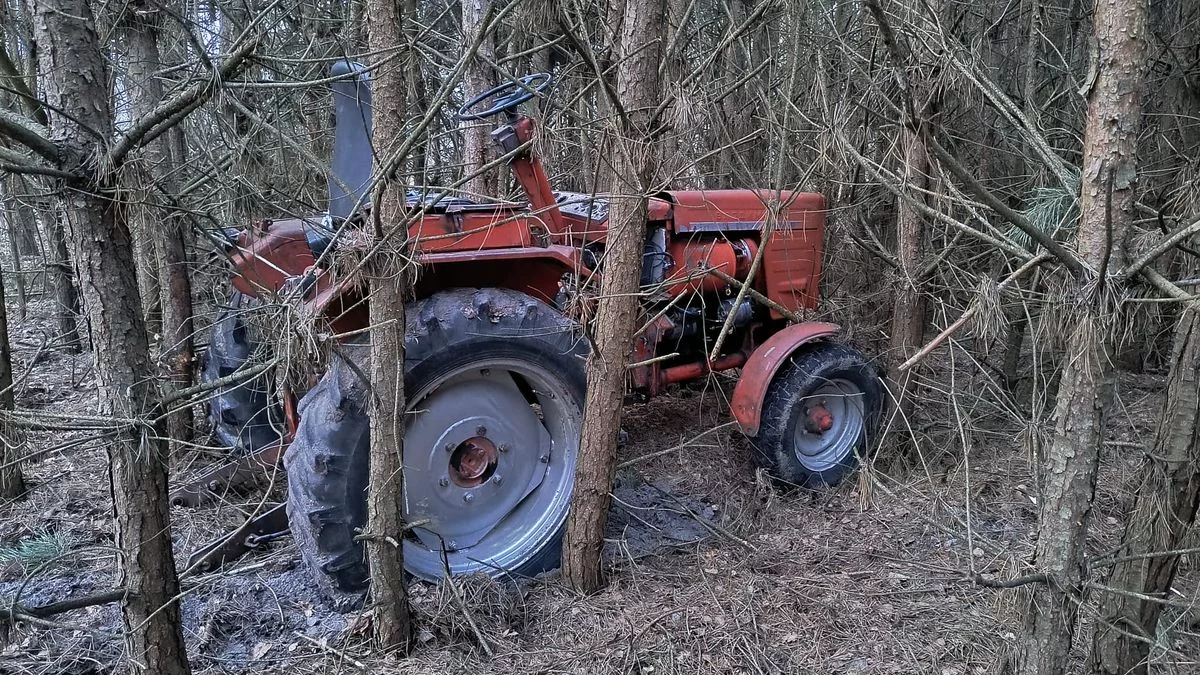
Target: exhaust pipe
column 352, row 157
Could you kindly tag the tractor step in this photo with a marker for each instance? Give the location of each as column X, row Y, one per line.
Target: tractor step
column 268, row 526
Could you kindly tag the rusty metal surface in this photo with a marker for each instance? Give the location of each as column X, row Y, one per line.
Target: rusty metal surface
column 267, row 526
column 209, row 486
column 762, row 365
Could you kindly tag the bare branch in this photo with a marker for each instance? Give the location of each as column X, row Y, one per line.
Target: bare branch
column 28, row 133
column 173, row 110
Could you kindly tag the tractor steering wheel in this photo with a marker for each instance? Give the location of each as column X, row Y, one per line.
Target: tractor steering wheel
column 511, row 94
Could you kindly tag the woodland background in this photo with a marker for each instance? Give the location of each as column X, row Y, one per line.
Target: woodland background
column 1018, row 177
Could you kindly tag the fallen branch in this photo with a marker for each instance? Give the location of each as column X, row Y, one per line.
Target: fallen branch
column 18, row 612
column 1012, row 583
column 326, row 648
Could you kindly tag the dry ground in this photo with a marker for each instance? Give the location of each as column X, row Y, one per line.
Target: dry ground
column 875, row 577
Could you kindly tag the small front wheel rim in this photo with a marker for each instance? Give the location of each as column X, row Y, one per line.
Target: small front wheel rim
column 829, row 425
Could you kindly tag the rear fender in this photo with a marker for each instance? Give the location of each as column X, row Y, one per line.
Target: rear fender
column 764, row 363
column 535, row 271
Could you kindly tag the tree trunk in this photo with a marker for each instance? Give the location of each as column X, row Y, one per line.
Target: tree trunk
column 389, row 285
column 163, row 226
column 636, row 164
column 1163, row 513
column 61, row 278
column 76, row 88
column 908, row 313
column 477, row 78
column 1069, row 468
column 19, row 220
column 12, row 482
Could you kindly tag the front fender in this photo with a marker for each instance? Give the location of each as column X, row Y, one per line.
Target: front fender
column 764, row 362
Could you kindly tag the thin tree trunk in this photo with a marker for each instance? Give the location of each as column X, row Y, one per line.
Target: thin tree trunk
column 1069, row 468
column 18, row 217
column 148, row 259
column 61, row 277
column 12, row 481
column 163, row 226
column 389, row 285
column 1163, row 513
column 477, row 78
column 76, row 88
column 636, row 161
column 908, row 314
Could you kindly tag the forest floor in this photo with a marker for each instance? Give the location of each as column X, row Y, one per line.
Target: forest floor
column 713, row 570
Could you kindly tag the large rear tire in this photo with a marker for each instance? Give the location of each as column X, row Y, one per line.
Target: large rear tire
column 495, row 382
column 243, row 417
column 818, row 416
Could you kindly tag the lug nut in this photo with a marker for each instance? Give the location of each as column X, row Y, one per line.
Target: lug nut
column 443, row 481
column 481, row 430
column 504, row 447
column 544, row 459
column 469, row 497
column 498, row 479
column 449, row 447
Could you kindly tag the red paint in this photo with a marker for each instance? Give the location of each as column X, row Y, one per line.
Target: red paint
column 762, row 365
column 692, row 371
column 266, row 257
column 532, row 176
column 791, row 262
column 692, row 258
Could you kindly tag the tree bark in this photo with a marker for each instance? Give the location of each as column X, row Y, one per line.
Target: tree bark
column 389, row 286
column 908, row 313
column 66, row 297
column 12, row 481
column 477, row 78
column 1069, row 468
column 76, row 89
column 163, row 226
column 1163, row 513
column 636, row 162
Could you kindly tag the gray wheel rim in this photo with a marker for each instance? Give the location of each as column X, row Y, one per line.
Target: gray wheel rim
column 822, row 450
column 489, row 471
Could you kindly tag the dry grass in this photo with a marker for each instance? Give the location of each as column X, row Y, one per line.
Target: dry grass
column 875, row 577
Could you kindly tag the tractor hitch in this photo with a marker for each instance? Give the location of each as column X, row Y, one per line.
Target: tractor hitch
column 268, row 526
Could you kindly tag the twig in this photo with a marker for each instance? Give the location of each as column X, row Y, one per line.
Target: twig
column 658, row 453
column 324, row 647
column 448, row 578
column 787, row 313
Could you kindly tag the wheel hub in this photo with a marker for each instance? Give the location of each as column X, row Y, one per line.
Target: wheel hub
column 472, row 457
column 831, row 426
column 473, row 462
column 819, row 419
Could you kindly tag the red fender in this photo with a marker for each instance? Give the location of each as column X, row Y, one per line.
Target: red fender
column 764, row 362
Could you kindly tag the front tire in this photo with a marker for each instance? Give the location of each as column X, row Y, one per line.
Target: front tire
column 818, row 416
column 495, row 383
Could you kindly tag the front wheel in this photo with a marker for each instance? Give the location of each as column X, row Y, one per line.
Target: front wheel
column 818, row 416
column 495, row 383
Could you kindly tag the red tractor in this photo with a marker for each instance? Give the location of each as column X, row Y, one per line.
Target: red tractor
column 494, row 370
